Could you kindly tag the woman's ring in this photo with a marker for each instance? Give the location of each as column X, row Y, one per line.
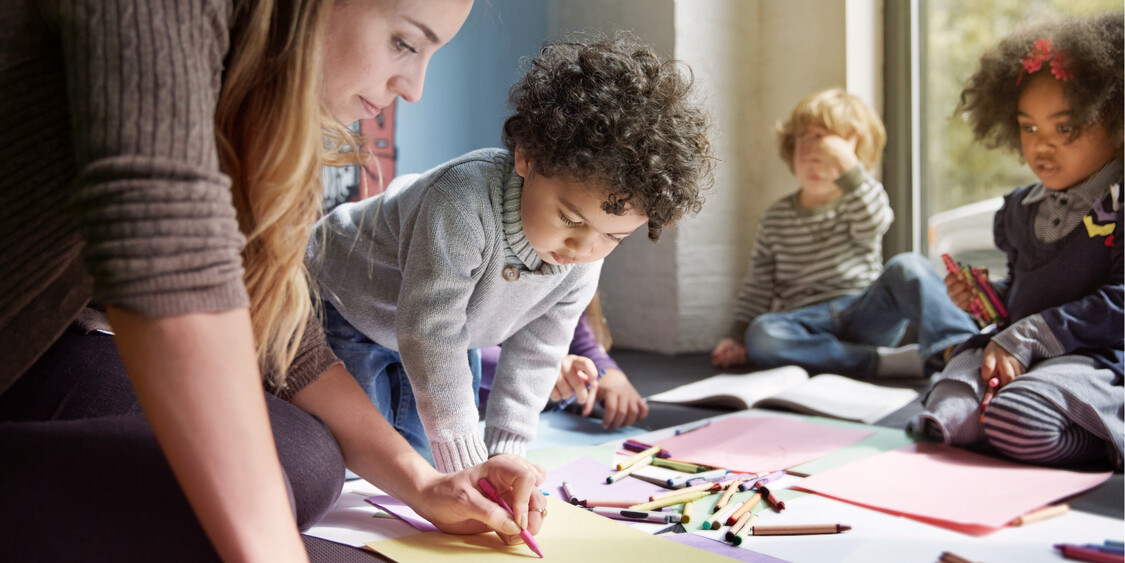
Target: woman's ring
column 541, row 511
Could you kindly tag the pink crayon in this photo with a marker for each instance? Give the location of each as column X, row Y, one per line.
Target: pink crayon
column 993, row 384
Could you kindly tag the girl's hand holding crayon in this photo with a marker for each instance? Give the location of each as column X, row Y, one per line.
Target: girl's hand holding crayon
column 998, row 363
column 959, row 291
column 579, row 377
column 454, row 503
column 970, row 290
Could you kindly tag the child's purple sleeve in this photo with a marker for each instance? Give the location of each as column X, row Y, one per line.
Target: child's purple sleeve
column 586, row 344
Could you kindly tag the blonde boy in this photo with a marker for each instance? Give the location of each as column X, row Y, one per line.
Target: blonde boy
column 816, row 294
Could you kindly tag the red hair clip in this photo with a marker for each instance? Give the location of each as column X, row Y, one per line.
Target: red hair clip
column 1041, row 52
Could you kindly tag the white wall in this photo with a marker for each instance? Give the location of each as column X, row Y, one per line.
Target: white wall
column 720, row 39
column 639, row 280
column 752, row 60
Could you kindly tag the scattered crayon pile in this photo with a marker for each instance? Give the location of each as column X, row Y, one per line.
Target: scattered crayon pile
column 697, row 482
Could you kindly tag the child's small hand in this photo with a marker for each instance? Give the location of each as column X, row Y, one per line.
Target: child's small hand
column 835, row 151
column 577, row 372
column 728, row 353
column 959, row 291
column 623, row 405
column 998, row 363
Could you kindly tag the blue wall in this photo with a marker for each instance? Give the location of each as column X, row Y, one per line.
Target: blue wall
column 465, row 99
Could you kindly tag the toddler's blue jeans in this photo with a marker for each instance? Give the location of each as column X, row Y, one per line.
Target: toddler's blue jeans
column 841, row 336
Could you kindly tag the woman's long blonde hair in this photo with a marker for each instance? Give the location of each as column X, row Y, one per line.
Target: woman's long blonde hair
column 271, row 128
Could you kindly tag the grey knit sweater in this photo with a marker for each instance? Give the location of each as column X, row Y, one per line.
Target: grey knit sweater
column 420, row 270
column 110, row 187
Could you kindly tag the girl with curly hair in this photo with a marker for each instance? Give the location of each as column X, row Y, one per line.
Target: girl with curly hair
column 506, row 246
column 1045, row 386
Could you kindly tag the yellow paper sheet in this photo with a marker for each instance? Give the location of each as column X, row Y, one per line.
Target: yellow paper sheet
column 569, row 534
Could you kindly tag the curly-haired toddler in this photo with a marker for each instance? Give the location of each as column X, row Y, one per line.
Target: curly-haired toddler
column 505, row 246
column 1052, row 373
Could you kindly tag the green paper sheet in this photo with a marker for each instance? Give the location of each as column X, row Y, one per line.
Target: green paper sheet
column 883, row 440
column 550, row 458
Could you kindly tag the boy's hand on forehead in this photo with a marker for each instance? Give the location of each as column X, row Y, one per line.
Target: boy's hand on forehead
column 838, row 152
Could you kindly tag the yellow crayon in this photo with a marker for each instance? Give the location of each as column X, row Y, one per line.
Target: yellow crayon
column 670, row 501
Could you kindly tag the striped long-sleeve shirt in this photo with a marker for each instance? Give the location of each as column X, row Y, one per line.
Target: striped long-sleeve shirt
column 807, row 256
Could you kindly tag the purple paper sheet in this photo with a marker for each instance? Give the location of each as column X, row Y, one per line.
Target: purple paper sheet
column 398, row 508
column 586, row 477
column 721, row 548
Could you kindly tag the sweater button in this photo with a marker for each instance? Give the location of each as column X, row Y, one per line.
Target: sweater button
column 510, row 273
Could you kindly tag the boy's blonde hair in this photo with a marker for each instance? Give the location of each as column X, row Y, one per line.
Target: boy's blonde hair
column 841, row 113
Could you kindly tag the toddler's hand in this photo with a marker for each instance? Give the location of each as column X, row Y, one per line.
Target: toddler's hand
column 623, row 405
column 998, row 363
column 577, row 372
column 959, row 291
column 838, row 153
column 728, row 353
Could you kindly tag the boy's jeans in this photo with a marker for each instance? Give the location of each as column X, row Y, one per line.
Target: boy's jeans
column 841, row 336
column 380, row 373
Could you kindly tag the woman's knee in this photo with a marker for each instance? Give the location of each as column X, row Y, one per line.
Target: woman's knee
column 311, row 458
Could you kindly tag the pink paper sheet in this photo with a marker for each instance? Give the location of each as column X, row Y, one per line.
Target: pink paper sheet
column 586, row 477
column 758, row 444
column 399, row 508
column 949, row 487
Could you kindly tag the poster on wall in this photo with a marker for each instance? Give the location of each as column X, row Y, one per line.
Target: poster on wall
column 353, row 183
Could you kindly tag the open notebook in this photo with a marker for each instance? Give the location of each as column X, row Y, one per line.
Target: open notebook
column 791, row 387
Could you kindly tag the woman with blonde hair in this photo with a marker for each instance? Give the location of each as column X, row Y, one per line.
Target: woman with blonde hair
column 160, row 177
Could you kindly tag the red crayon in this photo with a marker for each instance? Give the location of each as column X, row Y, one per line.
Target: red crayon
column 995, row 299
column 771, row 498
column 976, row 308
column 1086, row 554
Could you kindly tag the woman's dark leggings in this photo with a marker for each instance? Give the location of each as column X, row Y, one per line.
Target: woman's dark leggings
column 82, row 477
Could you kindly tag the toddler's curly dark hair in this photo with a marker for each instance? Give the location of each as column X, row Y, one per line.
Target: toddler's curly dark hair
column 1092, row 50
column 611, row 111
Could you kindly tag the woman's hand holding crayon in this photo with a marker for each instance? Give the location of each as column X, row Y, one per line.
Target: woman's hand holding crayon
column 454, row 503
